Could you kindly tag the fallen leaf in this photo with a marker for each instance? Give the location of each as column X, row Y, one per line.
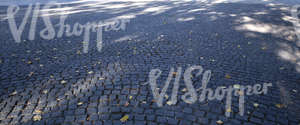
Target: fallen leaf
column 90, row 72
column 126, row 104
column 238, row 46
column 169, row 102
column 279, row 105
column 45, row 91
column 228, row 110
column 63, row 82
column 14, row 93
column 130, row 97
column 101, row 78
column 220, row 122
column 166, row 96
column 37, row 111
column 184, row 90
column 78, row 52
column 249, row 43
column 30, row 74
column 236, row 86
column 174, row 73
column 264, row 48
column 124, row 118
column 255, row 105
column 37, row 118
column 79, row 103
column 294, row 90
column 29, row 62
column 227, row 76
column 41, row 65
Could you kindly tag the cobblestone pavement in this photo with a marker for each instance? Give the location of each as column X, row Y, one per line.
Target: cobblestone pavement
column 54, row 82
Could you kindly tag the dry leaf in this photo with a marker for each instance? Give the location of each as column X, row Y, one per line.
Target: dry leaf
column 166, row 96
column 184, row 90
column 281, row 68
column 90, row 72
column 37, row 118
column 29, row 62
column 45, row 91
column 79, row 103
column 169, row 102
column 236, row 86
column 220, row 122
column 101, row 78
column 255, row 105
column 227, row 76
column 238, row 46
column 30, row 74
column 63, row 82
column 38, row 111
column 264, row 48
column 14, row 93
column 294, row 90
column 228, row 110
column 124, row 118
column 279, row 105
column 78, row 52
column 126, row 104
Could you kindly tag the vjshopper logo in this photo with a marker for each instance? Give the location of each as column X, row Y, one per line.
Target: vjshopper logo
column 191, row 95
column 49, row 31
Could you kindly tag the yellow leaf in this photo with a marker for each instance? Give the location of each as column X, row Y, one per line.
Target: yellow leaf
column 227, row 76
column 239, row 46
column 228, row 110
column 184, row 90
column 169, row 102
column 79, row 103
column 63, row 82
column 14, row 93
column 37, row 118
column 166, row 96
column 220, row 122
column 130, row 97
column 236, row 86
column 38, row 111
column 90, row 72
column 124, row 118
column 255, row 105
column 29, row 62
column 279, row 105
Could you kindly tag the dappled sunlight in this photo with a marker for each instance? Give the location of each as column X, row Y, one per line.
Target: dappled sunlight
column 256, row 26
column 291, row 54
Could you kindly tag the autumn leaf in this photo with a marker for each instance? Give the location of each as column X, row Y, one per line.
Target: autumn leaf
column 255, row 105
column 14, row 93
column 124, row 118
column 227, row 76
column 219, row 122
column 279, row 105
column 90, row 72
column 126, row 104
column 228, row 110
column 63, row 82
column 37, row 111
column 37, row 118
column 79, row 103
column 236, row 86
column 29, row 62
column 30, row 74
column 169, row 102
column 130, row 97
